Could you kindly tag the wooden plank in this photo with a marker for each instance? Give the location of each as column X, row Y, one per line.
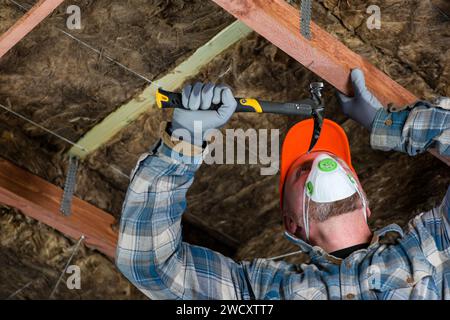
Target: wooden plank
column 130, row 111
column 26, row 23
column 40, row 200
column 279, row 23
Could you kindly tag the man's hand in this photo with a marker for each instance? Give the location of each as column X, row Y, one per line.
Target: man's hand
column 197, row 100
column 364, row 105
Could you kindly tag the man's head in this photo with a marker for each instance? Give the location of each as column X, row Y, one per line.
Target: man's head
column 319, row 190
column 322, row 200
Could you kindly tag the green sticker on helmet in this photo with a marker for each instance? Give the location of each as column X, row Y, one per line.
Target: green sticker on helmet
column 327, row 165
column 309, row 188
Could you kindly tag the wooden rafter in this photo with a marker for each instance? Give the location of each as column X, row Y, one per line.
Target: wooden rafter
column 126, row 114
column 279, row 22
column 26, row 23
column 40, row 200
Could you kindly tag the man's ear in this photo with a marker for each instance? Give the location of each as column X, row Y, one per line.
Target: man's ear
column 289, row 224
column 369, row 213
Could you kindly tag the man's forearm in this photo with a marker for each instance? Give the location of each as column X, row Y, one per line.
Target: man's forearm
column 150, row 251
column 150, row 230
column 412, row 131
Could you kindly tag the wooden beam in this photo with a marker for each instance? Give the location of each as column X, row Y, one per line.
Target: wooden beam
column 40, row 200
column 26, row 23
column 326, row 56
column 130, row 111
column 279, row 22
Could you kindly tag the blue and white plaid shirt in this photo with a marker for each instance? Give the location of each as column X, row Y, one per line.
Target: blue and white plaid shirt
column 153, row 257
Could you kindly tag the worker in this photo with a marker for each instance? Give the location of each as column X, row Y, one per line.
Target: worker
column 324, row 207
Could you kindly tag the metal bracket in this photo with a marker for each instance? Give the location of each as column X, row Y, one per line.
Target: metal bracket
column 305, row 19
column 69, row 186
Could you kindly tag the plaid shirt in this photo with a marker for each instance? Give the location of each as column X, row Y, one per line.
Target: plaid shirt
column 153, row 257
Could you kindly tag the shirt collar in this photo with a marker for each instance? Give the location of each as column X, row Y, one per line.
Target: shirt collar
column 316, row 252
column 390, row 228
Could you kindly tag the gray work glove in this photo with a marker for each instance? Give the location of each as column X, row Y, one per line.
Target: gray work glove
column 364, row 105
column 197, row 101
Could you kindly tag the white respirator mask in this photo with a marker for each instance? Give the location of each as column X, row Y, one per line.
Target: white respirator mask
column 329, row 180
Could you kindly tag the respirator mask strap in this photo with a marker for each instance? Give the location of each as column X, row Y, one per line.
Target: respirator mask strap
column 363, row 200
column 306, row 214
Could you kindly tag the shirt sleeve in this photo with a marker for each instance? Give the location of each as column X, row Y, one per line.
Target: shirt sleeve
column 434, row 223
column 412, row 131
column 150, row 250
column 445, row 209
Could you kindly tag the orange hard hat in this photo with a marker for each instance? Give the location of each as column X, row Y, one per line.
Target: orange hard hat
column 332, row 139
